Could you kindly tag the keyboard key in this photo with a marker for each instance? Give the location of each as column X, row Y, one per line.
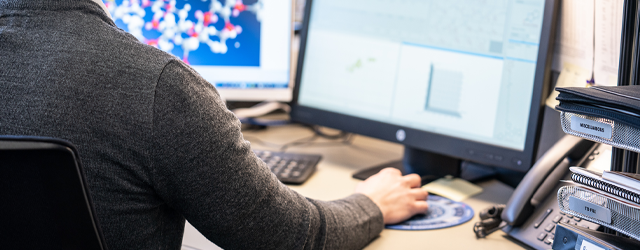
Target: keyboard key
column 566, row 220
column 557, row 219
column 577, row 219
column 291, row 168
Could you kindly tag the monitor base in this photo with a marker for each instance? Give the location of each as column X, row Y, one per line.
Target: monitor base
column 430, row 167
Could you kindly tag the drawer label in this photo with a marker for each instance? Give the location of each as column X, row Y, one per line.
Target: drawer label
column 600, row 129
column 586, row 245
column 590, row 209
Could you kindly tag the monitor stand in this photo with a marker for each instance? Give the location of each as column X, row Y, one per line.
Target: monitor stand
column 430, row 166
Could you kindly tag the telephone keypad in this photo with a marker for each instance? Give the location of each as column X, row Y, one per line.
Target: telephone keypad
column 546, row 234
column 542, row 218
column 541, row 236
column 550, row 227
column 548, row 240
column 545, row 230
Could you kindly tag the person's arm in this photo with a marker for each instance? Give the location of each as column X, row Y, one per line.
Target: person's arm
column 205, row 170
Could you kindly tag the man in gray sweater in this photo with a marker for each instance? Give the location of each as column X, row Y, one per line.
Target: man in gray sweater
column 159, row 145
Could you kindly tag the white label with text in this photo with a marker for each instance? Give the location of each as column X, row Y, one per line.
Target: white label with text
column 602, row 130
column 590, row 209
column 590, row 246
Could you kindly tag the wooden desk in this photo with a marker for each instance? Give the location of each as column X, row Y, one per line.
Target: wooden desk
column 333, row 181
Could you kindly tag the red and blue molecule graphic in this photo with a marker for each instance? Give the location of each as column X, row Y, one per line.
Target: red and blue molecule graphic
column 200, row 32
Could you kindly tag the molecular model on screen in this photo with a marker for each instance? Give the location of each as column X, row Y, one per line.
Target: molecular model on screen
column 172, row 23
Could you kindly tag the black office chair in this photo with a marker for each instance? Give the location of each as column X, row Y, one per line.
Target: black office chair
column 44, row 200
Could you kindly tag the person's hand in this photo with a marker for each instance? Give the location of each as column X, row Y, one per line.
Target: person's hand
column 398, row 197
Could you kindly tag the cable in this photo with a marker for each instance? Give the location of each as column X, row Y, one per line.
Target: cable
column 486, row 227
column 310, row 141
column 347, row 140
column 490, row 221
column 341, row 134
column 299, row 142
column 256, row 140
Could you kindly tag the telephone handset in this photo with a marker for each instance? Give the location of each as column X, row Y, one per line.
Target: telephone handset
column 532, row 211
column 543, row 176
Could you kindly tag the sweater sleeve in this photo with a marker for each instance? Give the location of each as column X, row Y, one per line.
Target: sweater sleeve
column 205, row 170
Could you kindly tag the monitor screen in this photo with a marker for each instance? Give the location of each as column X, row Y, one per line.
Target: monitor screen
column 458, row 72
column 240, row 46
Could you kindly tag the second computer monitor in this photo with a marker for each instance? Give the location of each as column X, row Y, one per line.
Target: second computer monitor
column 243, row 47
column 460, row 78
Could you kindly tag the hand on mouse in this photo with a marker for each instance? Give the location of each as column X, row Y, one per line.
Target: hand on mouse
column 398, row 197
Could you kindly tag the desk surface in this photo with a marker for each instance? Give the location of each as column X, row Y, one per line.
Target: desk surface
column 333, row 181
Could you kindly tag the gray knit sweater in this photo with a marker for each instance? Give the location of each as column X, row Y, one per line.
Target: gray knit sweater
column 157, row 143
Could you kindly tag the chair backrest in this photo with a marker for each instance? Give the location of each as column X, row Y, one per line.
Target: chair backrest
column 44, row 199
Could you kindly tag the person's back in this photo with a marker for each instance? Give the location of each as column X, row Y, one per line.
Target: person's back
column 157, row 143
column 65, row 74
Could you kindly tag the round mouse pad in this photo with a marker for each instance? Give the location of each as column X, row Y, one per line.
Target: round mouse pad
column 442, row 213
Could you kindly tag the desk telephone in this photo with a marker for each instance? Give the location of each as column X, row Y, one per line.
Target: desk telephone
column 532, row 212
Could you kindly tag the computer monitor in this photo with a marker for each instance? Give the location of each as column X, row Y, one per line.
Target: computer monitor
column 451, row 80
column 243, row 47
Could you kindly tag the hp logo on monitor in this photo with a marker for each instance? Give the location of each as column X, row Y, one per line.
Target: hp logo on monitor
column 401, row 135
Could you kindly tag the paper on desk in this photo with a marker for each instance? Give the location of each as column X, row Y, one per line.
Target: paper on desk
column 570, row 76
column 574, row 35
column 608, row 27
column 453, row 188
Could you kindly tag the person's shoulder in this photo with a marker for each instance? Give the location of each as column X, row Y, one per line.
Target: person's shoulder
column 123, row 51
column 138, row 58
column 180, row 75
column 132, row 51
column 177, row 67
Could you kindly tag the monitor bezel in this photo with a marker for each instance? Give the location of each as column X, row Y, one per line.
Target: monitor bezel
column 279, row 95
column 437, row 143
column 263, row 94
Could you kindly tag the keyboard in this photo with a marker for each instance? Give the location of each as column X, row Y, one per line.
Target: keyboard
column 290, row 168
